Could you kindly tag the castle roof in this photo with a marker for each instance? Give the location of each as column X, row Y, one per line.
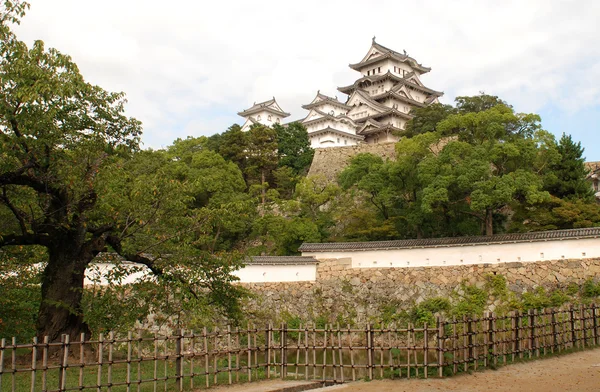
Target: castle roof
column 338, row 132
column 280, row 260
column 571, row 234
column 269, row 106
column 379, row 52
column 322, row 99
column 388, row 75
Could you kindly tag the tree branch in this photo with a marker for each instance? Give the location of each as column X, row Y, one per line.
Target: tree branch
column 19, row 214
column 18, row 178
column 25, row 239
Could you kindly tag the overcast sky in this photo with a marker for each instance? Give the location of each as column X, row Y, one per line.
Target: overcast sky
column 188, row 67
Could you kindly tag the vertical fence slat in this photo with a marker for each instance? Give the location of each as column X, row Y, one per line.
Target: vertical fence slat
column 139, row 360
column 2, row 349
column 155, row 364
column 33, row 364
column 206, row 358
column 111, row 338
column 440, row 346
column 13, row 365
column 351, row 354
column 81, row 359
column 100, row 359
column 64, row 364
column 594, row 324
column 45, row 364
column 128, row 375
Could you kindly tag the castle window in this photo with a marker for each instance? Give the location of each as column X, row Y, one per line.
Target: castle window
column 395, row 69
column 258, row 118
column 345, row 141
column 277, row 120
column 338, row 139
column 379, row 69
column 368, row 73
column 269, row 118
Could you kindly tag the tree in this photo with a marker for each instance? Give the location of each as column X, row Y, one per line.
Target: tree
column 262, row 156
column 233, row 144
column 427, row 118
column 70, row 186
column 478, row 103
column 293, row 147
column 566, row 177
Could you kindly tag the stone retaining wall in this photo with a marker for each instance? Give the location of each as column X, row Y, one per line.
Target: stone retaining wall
column 329, row 162
column 341, row 292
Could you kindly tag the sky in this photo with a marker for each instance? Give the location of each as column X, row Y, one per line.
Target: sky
column 188, row 67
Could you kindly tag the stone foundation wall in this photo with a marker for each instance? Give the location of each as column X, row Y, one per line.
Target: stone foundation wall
column 342, row 292
column 329, row 162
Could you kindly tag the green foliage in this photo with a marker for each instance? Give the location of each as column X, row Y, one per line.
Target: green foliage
column 470, row 301
column 566, row 177
column 20, row 292
column 590, row 289
column 425, row 311
column 426, row 119
column 540, row 299
column 293, row 147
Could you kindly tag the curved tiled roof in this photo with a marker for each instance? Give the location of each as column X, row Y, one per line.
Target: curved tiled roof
column 278, row 260
column 388, row 75
column 593, row 232
column 389, row 53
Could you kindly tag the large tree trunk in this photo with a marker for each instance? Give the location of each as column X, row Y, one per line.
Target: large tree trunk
column 489, row 222
column 62, row 290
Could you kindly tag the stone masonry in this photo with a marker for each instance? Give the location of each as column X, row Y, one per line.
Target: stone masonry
column 342, row 292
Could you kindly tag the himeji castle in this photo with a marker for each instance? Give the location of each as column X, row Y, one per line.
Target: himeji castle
column 378, row 106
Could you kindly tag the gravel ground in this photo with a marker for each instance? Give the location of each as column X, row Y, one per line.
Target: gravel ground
column 572, row 372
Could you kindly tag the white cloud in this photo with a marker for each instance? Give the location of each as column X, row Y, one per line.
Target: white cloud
column 189, row 67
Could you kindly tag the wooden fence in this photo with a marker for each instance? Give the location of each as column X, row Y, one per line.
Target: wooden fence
column 193, row 360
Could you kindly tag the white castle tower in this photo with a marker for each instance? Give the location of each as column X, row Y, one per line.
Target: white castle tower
column 378, row 105
column 266, row 113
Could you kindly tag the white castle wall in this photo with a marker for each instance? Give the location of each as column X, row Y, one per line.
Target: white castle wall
column 467, row 254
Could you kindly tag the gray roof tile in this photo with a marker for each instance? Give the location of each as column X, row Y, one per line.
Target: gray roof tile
column 593, row 232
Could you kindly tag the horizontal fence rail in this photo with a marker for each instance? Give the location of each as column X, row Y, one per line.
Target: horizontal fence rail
column 192, row 360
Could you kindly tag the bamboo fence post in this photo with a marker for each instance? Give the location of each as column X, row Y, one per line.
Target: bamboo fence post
column 454, row 346
column 255, row 348
column 298, row 352
column 440, row 346
column 572, row 325
column 249, row 354
column 553, row 323
column 229, row 354
column 64, row 363
column 408, row 341
column 155, row 364
column 192, row 350
column 34, row 365
column 178, row 361
column 306, row 351
column 13, row 366
column 111, row 337
column 381, row 356
column 465, row 345
column 370, row 351
column 139, row 360
column 2, row 346
column 81, row 360
column 333, row 361
column 351, row 354
column 582, row 324
column 518, row 333
column 283, row 342
column 390, row 345
column 268, row 350
column 341, row 355
column 206, row 357
column 594, row 324
column 425, row 349
column 215, row 351
column 128, row 376
column 324, row 352
column 531, row 333
column 165, row 364
column 238, row 351
column 44, row 363
column 492, row 337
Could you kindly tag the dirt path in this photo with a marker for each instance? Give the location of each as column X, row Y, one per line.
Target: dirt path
column 573, row 372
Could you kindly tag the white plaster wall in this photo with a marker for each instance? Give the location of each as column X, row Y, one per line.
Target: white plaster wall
column 469, row 254
column 277, row 273
column 99, row 273
column 264, row 119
